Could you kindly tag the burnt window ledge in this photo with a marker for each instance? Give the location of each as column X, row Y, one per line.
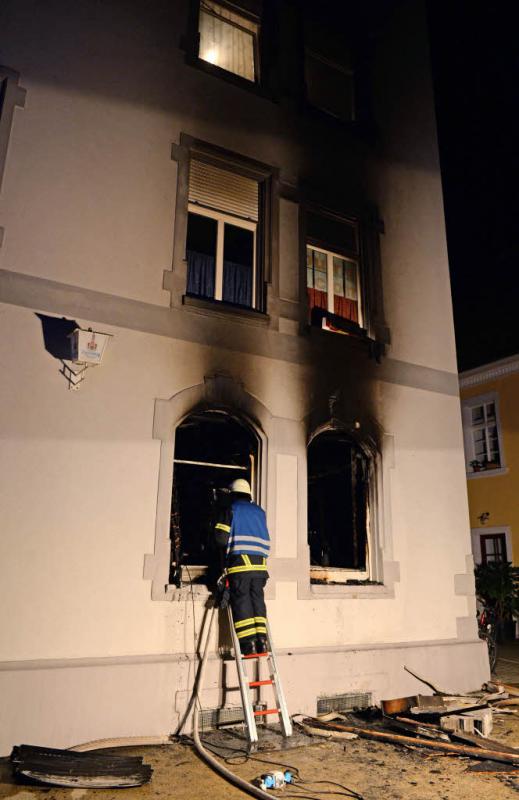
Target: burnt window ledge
column 366, row 590
column 219, row 308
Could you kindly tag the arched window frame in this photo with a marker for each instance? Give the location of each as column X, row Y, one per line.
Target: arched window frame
column 373, row 572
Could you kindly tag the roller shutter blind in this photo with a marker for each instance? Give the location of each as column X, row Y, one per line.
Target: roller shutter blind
column 225, row 191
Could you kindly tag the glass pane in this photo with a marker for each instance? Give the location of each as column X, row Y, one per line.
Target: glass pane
column 490, row 411
column 309, row 256
column 477, row 415
column 321, row 281
column 201, row 234
column 329, row 87
column 310, row 278
column 201, row 255
column 238, row 260
column 224, row 44
column 338, row 276
column 351, row 280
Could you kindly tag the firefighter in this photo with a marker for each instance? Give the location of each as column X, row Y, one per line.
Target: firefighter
column 242, row 530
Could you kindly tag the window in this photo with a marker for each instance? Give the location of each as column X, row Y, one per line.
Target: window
column 228, row 39
column 338, row 509
column 329, row 86
column 222, row 233
column 11, row 96
column 493, row 548
column 212, row 448
column 483, row 450
column 332, row 272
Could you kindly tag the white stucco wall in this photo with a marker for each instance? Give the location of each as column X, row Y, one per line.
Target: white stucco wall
column 88, row 207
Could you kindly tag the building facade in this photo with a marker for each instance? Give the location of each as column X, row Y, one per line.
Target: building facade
column 490, row 423
column 245, row 197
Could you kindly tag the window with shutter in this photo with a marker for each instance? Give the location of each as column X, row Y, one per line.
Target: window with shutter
column 221, row 242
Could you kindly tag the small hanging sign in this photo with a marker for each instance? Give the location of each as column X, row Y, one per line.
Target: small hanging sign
column 88, row 346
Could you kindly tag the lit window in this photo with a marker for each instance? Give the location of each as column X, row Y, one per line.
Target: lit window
column 483, row 450
column 221, row 236
column 339, row 474
column 332, row 283
column 332, row 275
column 228, row 40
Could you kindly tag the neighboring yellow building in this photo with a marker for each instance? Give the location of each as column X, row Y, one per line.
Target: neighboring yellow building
column 490, row 409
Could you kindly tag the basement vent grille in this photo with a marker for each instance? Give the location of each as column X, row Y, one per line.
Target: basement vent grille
column 211, row 718
column 343, row 702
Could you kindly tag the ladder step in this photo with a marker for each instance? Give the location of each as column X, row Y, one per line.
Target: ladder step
column 266, row 711
column 260, row 683
column 257, row 655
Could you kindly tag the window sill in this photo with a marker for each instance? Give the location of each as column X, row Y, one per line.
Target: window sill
column 229, row 77
column 488, row 473
column 218, row 308
column 350, row 591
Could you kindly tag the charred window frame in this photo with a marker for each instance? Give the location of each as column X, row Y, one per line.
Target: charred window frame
column 241, row 20
column 212, row 448
column 340, row 479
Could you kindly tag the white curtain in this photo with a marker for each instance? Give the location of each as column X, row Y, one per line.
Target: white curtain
column 223, row 43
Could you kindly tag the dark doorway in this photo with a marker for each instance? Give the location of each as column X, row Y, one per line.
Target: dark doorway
column 338, row 492
column 212, row 448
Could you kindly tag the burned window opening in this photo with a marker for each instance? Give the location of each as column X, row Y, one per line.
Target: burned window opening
column 338, row 507
column 212, row 448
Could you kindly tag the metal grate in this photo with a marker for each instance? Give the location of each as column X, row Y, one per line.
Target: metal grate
column 350, row 701
column 211, row 718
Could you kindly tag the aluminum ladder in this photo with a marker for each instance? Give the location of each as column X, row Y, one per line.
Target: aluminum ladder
column 246, row 686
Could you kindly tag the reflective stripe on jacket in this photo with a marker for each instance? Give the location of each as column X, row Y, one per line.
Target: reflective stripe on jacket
column 245, row 563
column 249, row 533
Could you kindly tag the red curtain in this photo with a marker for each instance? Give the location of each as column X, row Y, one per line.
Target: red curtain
column 316, row 299
column 343, row 307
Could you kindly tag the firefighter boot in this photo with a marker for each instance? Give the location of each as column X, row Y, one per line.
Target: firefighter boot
column 261, row 644
column 248, row 647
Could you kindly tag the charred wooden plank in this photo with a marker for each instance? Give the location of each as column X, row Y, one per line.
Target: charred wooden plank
column 393, row 738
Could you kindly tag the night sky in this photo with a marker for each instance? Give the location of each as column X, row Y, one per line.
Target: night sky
column 476, row 71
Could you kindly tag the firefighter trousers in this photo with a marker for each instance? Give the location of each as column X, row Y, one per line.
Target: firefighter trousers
column 248, row 604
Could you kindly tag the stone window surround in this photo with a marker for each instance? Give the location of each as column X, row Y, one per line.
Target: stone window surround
column 11, row 96
column 277, row 436
column 175, row 280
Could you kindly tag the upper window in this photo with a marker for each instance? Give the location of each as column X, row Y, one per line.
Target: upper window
column 329, row 86
column 222, row 233
column 332, row 273
column 228, row 39
column 482, row 435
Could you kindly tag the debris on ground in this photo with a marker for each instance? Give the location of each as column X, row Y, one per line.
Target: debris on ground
column 443, row 723
column 78, row 770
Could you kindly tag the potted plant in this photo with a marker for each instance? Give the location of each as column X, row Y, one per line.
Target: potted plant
column 497, row 591
column 476, row 466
